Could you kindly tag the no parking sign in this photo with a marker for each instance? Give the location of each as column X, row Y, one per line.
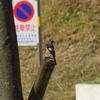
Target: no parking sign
column 24, row 11
column 26, row 21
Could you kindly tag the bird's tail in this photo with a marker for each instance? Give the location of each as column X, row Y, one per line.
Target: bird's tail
column 55, row 61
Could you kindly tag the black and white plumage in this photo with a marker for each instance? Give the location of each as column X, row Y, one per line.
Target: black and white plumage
column 50, row 49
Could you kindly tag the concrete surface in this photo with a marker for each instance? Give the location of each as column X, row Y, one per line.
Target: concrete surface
column 87, row 91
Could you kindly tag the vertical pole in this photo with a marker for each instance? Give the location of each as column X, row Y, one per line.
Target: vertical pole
column 40, row 36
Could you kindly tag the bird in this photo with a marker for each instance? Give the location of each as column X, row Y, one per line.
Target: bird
column 51, row 50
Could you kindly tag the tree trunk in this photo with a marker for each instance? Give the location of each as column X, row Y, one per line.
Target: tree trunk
column 10, row 82
column 42, row 79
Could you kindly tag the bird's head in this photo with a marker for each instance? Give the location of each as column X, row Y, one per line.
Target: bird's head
column 51, row 41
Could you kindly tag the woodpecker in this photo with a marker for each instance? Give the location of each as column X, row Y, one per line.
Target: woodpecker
column 50, row 49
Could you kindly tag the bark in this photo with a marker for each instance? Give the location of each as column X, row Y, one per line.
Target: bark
column 10, row 82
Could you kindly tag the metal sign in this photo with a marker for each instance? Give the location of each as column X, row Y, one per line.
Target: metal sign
column 24, row 11
column 26, row 22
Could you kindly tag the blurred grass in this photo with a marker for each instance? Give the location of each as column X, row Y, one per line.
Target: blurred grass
column 74, row 25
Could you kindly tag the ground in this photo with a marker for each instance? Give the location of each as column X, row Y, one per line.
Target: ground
column 74, row 26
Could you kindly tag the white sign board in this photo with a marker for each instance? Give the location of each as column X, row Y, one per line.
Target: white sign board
column 26, row 21
column 88, row 92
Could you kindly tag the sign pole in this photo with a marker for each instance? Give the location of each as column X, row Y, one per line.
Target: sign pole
column 40, row 36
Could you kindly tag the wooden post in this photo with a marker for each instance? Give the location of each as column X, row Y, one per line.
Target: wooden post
column 42, row 79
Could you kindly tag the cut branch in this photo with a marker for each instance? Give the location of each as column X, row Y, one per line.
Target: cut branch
column 42, row 79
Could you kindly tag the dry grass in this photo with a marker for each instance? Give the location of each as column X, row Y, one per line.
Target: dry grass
column 74, row 25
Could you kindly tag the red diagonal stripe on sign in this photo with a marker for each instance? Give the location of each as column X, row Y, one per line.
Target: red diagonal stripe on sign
column 25, row 12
